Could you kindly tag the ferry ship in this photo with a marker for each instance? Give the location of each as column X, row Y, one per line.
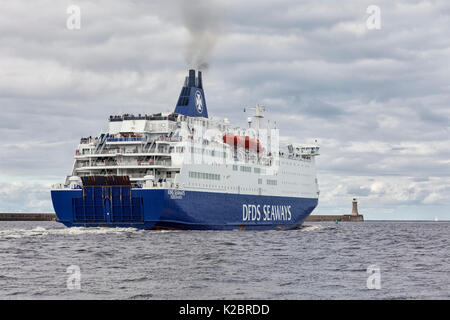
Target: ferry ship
column 186, row 170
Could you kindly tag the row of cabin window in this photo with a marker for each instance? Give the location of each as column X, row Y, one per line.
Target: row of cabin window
column 247, row 169
column 296, row 173
column 294, row 163
column 213, row 153
column 222, row 187
column 204, row 175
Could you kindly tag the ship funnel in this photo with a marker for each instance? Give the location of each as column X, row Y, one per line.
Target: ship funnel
column 191, row 81
column 192, row 101
column 199, row 78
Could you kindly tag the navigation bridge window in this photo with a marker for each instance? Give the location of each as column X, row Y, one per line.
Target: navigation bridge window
column 204, row 175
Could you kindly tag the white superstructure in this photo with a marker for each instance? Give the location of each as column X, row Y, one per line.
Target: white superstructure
column 198, row 153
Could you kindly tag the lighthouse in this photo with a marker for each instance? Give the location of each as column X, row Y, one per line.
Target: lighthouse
column 355, row 216
column 355, row 207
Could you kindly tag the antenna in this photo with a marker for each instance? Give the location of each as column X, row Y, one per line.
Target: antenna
column 249, row 120
column 258, row 114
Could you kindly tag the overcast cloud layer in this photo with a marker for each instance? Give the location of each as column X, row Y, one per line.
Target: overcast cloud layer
column 376, row 100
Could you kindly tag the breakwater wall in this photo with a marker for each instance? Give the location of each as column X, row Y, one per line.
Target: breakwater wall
column 345, row 217
column 27, row 217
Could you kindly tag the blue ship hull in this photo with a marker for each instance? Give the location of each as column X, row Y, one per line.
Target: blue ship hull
column 178, row 209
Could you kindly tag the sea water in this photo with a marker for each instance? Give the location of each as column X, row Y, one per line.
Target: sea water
column 366, row 260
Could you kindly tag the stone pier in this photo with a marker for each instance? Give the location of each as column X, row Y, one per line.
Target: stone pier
column 27, row 217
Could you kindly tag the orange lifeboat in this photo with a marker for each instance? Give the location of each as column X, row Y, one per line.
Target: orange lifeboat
column 242, row 142
column 230, row 139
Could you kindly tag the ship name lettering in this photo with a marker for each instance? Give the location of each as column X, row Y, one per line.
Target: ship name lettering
column 253, row 212
column 176, row 194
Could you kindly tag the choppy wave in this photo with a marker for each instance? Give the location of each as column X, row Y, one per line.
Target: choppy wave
column 318, row 261
column 74, row 231
column 314, row 228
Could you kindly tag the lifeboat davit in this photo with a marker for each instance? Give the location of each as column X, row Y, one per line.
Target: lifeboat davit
column 242, row 142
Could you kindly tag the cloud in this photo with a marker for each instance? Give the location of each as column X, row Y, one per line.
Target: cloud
column 25, row 197
column 377, row 100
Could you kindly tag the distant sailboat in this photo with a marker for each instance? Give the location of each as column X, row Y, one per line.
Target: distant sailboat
column 436, row 219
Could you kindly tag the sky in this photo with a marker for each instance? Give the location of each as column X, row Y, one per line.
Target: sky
column 376, row 99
